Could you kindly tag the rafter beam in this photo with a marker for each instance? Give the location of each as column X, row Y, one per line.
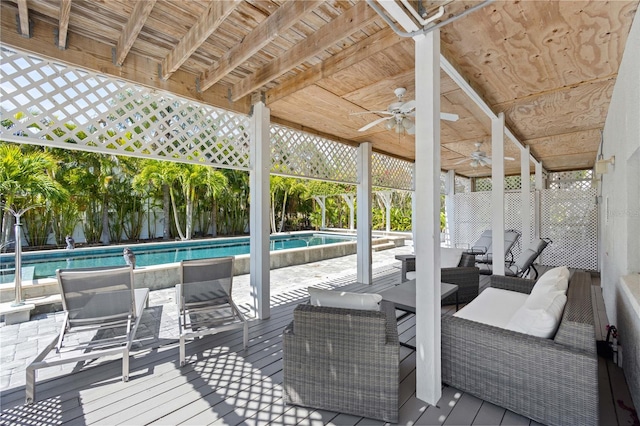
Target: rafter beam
column 342, row 60
column 281, row 20
column 354, row 19
column 210, row 20
column 63, row 23
column 139, row 15
column 23, row 19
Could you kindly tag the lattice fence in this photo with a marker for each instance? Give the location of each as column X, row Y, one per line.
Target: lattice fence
column 568, row 218
column 463, row 184
column 47, row 103
column 472, row 215
column 391, row 172
column 579, row 180
column 301, row 154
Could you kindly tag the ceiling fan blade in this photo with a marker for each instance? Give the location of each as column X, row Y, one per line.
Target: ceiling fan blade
column 486, row 161
column 509, row 158
column 408, row 106
column 373, row 123
column 449, row 116
column 461, row 161
column 371, row 112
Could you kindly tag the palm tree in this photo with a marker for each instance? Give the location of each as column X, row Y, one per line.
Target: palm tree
column 24, row 179
column 160, row 175
column 192, row 179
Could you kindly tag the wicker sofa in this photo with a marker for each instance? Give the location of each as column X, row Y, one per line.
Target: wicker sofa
column 344, row 360
column 553, row 381
column 466, row 276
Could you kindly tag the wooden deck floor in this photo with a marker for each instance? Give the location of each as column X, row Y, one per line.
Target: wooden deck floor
column 222, row 384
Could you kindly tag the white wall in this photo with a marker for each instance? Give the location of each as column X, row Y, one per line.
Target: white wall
column 620, row 207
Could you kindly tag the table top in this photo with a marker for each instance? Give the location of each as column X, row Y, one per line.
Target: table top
column 404, row 295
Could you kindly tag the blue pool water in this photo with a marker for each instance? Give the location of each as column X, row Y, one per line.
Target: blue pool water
column 43, row 264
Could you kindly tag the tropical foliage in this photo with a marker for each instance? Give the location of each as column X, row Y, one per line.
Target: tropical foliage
column 116, row 199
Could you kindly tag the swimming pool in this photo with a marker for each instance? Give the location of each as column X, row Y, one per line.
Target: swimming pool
column 42, row 264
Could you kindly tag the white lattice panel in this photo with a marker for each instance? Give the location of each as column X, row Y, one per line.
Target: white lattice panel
column 300, row 154
column 47, row 103
column 570, row 220
column 463, row 184
column 579, row 180
column 391, row 172
column 473, row 215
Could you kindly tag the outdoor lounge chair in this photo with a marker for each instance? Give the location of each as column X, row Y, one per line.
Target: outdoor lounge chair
column 205, row 303
column 523, row 264
column 482, row 249
column 102, row 312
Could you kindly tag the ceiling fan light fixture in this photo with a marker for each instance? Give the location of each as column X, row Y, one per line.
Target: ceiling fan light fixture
column 474, row 163
column 407, row 123
column 390, row 124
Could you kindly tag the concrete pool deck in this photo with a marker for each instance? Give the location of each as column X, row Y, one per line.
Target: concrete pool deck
column 20, row 343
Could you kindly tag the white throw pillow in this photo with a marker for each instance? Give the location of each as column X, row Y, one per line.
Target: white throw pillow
column 539, row 322
column 450, row 257
column 344, row 299
column 556, row 279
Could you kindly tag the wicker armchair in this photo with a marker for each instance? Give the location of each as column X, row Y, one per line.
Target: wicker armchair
column 343, row 360
column 466, row 276
column 552, row 381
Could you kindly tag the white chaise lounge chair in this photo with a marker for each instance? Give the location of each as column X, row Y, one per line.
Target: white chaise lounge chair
column 205, row 302
column 102, row 311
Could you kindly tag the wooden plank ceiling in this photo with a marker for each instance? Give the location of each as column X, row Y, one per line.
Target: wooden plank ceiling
column 549, row 66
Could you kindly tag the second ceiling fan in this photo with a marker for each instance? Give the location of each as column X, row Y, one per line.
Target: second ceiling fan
column 401, row 113
column 479, row 158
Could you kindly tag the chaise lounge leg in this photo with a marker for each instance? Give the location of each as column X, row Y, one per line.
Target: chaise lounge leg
column 125, row 366
column 182, row 351
column 246, row 336
column 30, row 386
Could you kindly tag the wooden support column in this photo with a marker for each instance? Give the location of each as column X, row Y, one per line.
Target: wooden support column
column 259, row 211
column 427, row 214
column 365, row 274
column 525, row 192
column 497, row 193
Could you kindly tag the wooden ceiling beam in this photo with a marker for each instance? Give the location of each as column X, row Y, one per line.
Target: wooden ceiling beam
column 23, row 19
column 354, row 19
column 63, row 23
column 342, row 60
column 139, row 15
column 206, row 25
column 281, row 20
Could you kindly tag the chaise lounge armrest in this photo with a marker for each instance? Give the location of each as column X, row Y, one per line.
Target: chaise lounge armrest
column 522, row 373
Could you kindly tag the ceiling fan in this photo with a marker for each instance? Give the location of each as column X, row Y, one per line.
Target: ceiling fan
column 401, row 113
column 479, row 158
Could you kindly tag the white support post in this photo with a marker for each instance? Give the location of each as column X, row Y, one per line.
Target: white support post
column 321, row 200
column 427, row 214
column 348, row 198
column 387, row 198
column 259, row 264
column 525, row 192
column 363, row 257
column 413, row 209
column 449, row 207
column 497, row 193
column 539, row 179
